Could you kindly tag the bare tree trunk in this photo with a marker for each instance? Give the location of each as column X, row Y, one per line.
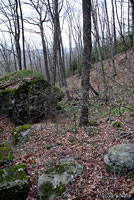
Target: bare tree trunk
column 61, row 49
column 132, row 4
column 120, row 27
column 55, row 58
column 14, row 56
column 62, row 60
column 29, row 55
column 23, row 35
column 129, row 34
column 17, row 35
column 86, row 6
column 44, row 51
column 99, row 51
column 114, row 26
column 110, row 39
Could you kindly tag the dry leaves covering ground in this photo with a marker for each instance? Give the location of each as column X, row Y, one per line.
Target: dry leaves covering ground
column 48, row 142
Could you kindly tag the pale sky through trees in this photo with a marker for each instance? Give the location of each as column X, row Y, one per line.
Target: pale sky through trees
column 34, row 38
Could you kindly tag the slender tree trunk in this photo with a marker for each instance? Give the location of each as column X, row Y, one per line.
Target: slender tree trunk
column 14, row 56
column 61, row 49
column 129, row 34
column 44, row 51
column 70, row 48
column 110, row 39
column 86, row 6
column 23, row 35
column 100, row 54
column 62, row 60
column 114, row 26
column 120, row 27
column 17, row 35
column 55, row 58
column 132, row 4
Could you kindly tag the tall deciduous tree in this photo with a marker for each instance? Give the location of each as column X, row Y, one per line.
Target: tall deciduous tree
column 23, row 34
column 17, row 33
column 41, row 11
column 132, row 4
column 86, row 5
column 10, row 13
column 55, row 17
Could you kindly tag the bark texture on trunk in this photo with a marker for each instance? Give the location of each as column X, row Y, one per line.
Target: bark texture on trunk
column 86, row 5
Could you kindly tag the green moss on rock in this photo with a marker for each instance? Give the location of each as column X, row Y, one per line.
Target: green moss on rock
column 53, row 182
column 61, row 168
column 14, row 183
column 49, row 190
column 92, row 122
column 21, row 74
column 29, row 102
column 59, row 94
column 18, row 132
column 117, row 124
column 22, row 128
column 5, row 154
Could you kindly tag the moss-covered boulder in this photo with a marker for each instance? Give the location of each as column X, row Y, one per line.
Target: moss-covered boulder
column 120, row 158
column 25, row 97
column 5, row 154
column 14, row 183
column 53, row 182
column 20, row 133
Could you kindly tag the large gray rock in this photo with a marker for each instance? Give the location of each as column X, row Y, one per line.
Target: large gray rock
column 14, row 183
column 120, row 157
column 26, row 97
column 53, row 182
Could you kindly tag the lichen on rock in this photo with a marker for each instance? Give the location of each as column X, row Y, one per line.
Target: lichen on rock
column 120, row 158
column 14, row 183
column 53, row 182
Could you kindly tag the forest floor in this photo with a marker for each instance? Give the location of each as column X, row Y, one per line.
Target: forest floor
column 49, row 141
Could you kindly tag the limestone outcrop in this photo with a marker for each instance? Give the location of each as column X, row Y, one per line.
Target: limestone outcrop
column 25, row 97
column 53, row 182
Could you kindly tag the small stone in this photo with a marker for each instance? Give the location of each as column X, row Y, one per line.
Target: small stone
column 20, row 132
column 93, row 131
column 117, row 124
